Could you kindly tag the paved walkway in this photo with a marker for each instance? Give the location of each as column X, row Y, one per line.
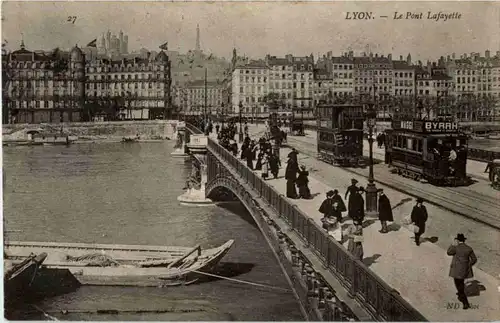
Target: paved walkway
column 420, row 274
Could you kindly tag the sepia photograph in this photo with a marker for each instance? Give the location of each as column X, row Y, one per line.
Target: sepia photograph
column 225, row 161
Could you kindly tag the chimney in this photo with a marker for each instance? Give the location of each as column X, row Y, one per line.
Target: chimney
column 371, row 54
column 453, row 56
column 389, row 57
column 351, row 54
column 448, row 58
column 376, row 55
column 487, row 54
column 400, row 57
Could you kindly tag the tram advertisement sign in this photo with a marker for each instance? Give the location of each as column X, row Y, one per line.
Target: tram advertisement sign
column 425, row 126
column 433, row 126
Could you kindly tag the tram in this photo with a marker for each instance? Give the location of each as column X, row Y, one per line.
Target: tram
column 340, row 134
column 435, row 151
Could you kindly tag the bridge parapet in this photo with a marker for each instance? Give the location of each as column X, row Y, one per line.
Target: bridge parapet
column 321, row 263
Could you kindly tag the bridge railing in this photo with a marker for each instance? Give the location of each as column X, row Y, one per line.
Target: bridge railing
column 378, row 297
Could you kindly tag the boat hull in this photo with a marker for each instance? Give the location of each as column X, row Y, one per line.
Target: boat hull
column 125, row 274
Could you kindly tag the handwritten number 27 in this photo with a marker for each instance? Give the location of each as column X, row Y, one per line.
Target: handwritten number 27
column 72, row 19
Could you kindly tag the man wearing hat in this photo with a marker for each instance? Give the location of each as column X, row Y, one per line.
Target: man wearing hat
column 461, row 266
column 384, row 210
column 418, row 217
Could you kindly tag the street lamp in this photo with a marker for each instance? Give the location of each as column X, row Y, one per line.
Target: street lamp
column 371, row 189
column 222, row 114
column 240, row 136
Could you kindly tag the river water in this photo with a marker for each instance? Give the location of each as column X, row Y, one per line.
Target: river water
column 126, row 193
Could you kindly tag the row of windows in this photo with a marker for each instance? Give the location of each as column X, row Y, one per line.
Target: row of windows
column 406, row 142
column 342, row 75
column 403, row 74
column 367, row 80
column 403, row 83
column 342, row 67
column 126, row 68
column 370, row 73
column 125, row 77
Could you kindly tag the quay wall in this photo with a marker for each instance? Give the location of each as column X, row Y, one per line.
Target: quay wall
column 150, row 129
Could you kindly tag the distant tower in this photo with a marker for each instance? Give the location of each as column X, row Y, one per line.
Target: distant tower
column 121, row 48
column 125, row 44
column 198, row 47
column 408, row 59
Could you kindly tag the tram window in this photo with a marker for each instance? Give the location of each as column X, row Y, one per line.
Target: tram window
column 409, row 143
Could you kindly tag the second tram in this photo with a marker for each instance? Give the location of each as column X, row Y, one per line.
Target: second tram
column 435, row 151
column 340, row 134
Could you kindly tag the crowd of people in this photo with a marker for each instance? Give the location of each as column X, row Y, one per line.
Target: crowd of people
column 332, row 208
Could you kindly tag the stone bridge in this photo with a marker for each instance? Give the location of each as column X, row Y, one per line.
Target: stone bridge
column 328, row 283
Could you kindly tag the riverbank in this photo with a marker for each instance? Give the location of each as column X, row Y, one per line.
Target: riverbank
column 94, row 131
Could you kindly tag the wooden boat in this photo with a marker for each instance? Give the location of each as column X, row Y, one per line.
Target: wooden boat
column 124, row 265
column 20, row 276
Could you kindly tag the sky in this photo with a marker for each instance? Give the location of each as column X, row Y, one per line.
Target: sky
column 259, row 28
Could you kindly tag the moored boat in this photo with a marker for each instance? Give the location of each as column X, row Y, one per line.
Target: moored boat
column 20, row 276
column 137, row 265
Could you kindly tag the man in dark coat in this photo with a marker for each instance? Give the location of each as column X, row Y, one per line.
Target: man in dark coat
column 291, row 171
column 461, row 266
column 418, row 217
column 302, row 183
column 274, row 164
column 384, row 210
column 248, row 156
column 358, row 206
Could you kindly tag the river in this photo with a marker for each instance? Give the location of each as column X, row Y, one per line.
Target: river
column 126, row 193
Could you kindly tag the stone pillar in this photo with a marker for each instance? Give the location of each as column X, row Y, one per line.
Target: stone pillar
column 204, row 178
column 180, row 140
column 197, row 147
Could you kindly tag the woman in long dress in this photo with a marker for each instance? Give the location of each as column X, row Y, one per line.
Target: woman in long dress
column 265, row 167
column 355, row 237
column 351, row 191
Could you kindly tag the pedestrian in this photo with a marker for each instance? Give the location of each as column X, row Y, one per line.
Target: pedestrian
column 274, row 164
column 217, row 128
column 351, row 190
column 461, row 266
column 341, row 205
column 418, row 218
column 355, row 237
column 384, row 210
column 358, row 205
column 258, row 166
column 248, row 156
column 265, row 167
column 234, row 148
column 291, row 176
column 302, row 183
column 326, row 207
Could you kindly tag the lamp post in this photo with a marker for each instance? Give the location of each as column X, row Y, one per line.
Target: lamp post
column 240, row 135
column 222, row 115
column 371, row 189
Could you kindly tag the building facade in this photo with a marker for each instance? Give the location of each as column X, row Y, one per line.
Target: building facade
column 203, row 99
column 43, row 88
column 250, row 84
column 64, row 87
column 142, row 85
